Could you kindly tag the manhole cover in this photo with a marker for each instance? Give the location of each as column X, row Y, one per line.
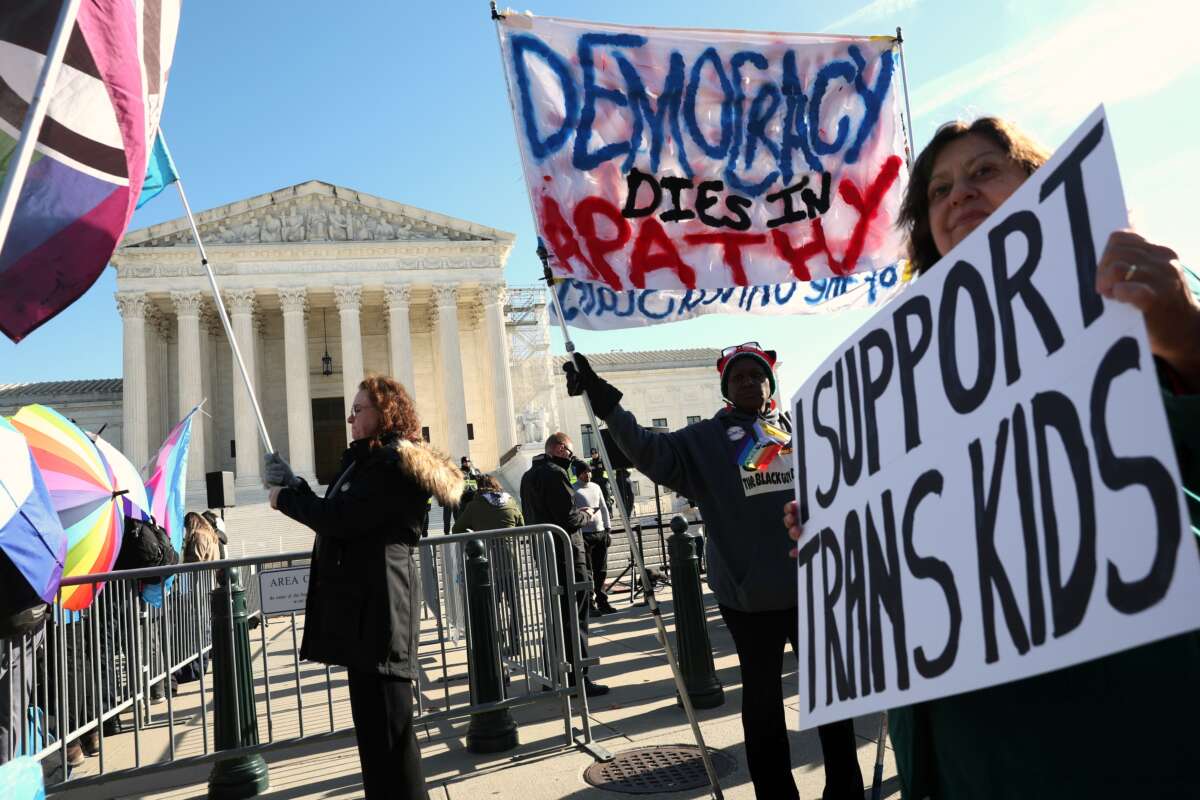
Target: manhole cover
column 665, row 768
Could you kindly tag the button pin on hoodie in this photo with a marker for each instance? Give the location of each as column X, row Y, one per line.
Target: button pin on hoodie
column 345, row 487
column 736, row 433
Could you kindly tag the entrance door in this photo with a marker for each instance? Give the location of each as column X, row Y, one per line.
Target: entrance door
column 329, row 436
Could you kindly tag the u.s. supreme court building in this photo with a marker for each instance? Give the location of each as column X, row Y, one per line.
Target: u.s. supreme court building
column 323, row 284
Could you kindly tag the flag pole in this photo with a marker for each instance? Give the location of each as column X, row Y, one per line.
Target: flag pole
column 912, row 142
column 39, row 104
column 220, row 304
column 652, row 602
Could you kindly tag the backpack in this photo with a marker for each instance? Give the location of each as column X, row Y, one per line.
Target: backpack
column 145, row 544
column 21, row 610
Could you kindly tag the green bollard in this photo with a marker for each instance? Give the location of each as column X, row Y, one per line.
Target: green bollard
column 235, row 722
column 489, row 731
column 691, row 629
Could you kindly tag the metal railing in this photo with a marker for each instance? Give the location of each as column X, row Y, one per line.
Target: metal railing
column 108, row 661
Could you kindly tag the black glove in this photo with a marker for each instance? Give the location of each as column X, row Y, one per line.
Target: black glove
column 582, row 378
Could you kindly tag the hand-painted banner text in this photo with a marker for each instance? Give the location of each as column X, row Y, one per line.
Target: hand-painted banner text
column 684, row 159
column 596, row 307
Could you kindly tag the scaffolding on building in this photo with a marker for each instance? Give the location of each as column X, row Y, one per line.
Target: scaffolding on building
column 527, row 319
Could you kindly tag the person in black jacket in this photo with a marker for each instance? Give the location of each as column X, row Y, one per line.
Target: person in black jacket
column 362, row 607
column 548, row 498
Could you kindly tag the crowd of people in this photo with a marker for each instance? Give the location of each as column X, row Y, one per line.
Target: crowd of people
column 1137, row 707
column 88, row 665
column 1005, row 741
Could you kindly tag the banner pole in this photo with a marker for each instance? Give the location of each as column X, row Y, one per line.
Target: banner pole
column 652, row 602
column 39, row 104
column 912, row 141
column 220, row 303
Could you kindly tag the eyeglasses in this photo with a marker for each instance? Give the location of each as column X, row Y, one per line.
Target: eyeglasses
column 731, row 350
column 748, row 376
column 356, row 409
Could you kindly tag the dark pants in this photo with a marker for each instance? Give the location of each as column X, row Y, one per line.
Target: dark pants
column 382, row 708
column 760, row 639
column 597, row 550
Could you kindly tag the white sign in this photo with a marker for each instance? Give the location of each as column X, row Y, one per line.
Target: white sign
column 594, row 306
column 283, row 590
column 989, row 482
column 661, row 158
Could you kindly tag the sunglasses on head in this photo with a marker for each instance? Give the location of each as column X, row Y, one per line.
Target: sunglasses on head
column 731, row 350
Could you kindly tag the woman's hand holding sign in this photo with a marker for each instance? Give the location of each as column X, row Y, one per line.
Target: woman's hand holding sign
column 1150, row 277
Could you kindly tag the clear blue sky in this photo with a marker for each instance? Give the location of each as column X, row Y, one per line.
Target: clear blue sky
column 411, row 105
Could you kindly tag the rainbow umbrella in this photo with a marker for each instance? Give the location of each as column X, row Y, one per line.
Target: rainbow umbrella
column 30, row 533
column 82, row 492
column 126, row 478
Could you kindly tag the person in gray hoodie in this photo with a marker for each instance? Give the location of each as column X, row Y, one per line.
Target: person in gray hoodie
column 736, row 466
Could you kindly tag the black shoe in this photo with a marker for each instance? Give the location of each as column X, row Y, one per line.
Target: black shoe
column 74, row 754
column 89, row 743
column 112, row 725
column 597, row 611
column 605, row 607
column 593, row 689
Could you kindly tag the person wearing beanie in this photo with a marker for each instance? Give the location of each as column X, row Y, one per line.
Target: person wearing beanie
column 737, row 467
column 595, row 534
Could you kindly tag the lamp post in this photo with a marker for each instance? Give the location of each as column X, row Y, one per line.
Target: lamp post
column 326, row 360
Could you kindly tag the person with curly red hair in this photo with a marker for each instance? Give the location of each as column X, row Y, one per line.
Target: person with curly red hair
column 361, row 611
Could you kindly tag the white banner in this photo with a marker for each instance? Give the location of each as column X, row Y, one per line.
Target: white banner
column 986, row 467
column 593, row 306
column 664, row 158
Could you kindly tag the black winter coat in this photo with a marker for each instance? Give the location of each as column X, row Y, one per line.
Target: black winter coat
column 363, row 590
column 547, row 498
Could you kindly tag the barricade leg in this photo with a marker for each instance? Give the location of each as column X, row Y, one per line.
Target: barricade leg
column 491, row 731
column 691, row 629
column 234, row 719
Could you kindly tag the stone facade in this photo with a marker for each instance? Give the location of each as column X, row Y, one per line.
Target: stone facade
column 315, row 268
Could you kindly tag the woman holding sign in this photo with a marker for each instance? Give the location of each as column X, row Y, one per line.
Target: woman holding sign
column 1118, row 726
column 361, row 611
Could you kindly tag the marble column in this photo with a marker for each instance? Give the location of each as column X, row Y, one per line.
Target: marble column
column 191, row 377
column 157, row 376
column 134, row 441
column 493, row 297
column 397, row 298
column 293, row 300
column 212, row 341
column 445, row 304
column 349, row 303
column 248, row 460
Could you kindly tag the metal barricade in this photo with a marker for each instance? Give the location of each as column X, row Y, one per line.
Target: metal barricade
column 110, row 660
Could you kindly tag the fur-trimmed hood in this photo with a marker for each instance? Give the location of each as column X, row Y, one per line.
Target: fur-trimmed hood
column 433, row 470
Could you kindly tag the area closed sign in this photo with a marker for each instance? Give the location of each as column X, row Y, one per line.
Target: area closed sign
column 283, row 590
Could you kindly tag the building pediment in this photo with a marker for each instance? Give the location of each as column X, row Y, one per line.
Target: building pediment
column 312, row 213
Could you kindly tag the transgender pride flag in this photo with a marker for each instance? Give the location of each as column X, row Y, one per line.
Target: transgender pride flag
column 166, row 485
column 166, row 488
column 92, row 149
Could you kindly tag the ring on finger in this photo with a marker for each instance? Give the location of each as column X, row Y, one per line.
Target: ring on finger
column 1129, row 273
